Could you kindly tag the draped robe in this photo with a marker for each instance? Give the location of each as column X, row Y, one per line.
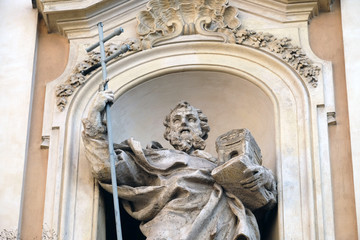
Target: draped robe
column 171, row 192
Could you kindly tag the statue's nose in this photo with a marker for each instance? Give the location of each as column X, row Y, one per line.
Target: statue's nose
column 183, row 122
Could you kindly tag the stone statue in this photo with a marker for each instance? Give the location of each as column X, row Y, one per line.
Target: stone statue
column 184, row 193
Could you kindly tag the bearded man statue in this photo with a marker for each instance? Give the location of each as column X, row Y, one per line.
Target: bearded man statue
column 172, row 191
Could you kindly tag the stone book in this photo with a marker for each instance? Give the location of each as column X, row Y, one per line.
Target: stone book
column 238, row 151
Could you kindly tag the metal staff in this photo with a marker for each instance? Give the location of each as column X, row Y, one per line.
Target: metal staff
column 122, row 50
column 117, row 32
column 108, row 120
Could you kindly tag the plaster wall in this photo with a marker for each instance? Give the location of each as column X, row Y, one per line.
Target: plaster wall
column 52, row 55
column 327, row 43
column 351, row 34
column 17, row 50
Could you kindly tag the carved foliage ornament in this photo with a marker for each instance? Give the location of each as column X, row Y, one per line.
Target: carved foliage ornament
column 167, row 19
column 66, row 89
column 8, row 234
column 13, row 234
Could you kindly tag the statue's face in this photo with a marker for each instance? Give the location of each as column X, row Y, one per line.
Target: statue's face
column 185, row 122
column 185, row 132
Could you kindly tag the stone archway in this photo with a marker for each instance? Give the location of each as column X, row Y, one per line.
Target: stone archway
column 299, row 133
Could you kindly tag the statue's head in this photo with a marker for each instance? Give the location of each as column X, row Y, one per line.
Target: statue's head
column 186, row 128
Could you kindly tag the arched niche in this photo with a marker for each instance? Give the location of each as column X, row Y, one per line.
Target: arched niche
column 296, row 133
column 228, row 101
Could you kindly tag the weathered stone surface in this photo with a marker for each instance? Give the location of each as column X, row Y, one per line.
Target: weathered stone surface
column 173, row 192
column 239, row 160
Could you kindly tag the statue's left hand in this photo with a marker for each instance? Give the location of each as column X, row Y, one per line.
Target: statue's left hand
column 260, row 177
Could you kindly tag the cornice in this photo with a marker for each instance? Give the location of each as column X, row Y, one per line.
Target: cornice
column 280, row 11
column 324, row 5
column 112, row 17
column 78, row 18
column 81, row 16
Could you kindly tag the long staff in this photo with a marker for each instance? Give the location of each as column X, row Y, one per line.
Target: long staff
column 108, row 120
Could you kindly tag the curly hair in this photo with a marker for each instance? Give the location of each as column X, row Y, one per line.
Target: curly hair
column 205, row 128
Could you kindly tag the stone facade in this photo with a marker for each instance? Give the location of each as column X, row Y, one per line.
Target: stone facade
column 263, row 37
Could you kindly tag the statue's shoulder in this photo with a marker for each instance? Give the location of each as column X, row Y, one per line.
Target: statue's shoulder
column 205, row 155
column 131, row 144
column 154, row 145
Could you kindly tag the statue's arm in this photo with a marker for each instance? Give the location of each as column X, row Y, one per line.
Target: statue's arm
column 96, row 147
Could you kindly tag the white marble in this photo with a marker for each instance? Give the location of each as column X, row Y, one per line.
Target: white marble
column 351, row 35
column 17, row 48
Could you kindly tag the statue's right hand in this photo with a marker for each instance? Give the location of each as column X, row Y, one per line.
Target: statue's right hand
column 101, row 99
column 94, row 123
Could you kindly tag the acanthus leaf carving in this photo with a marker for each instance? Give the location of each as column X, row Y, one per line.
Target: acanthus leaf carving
column 283, row 49
column 278, row 45
column 167, row 19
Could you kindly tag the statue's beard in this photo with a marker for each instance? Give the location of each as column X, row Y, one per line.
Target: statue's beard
column 186, row 141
